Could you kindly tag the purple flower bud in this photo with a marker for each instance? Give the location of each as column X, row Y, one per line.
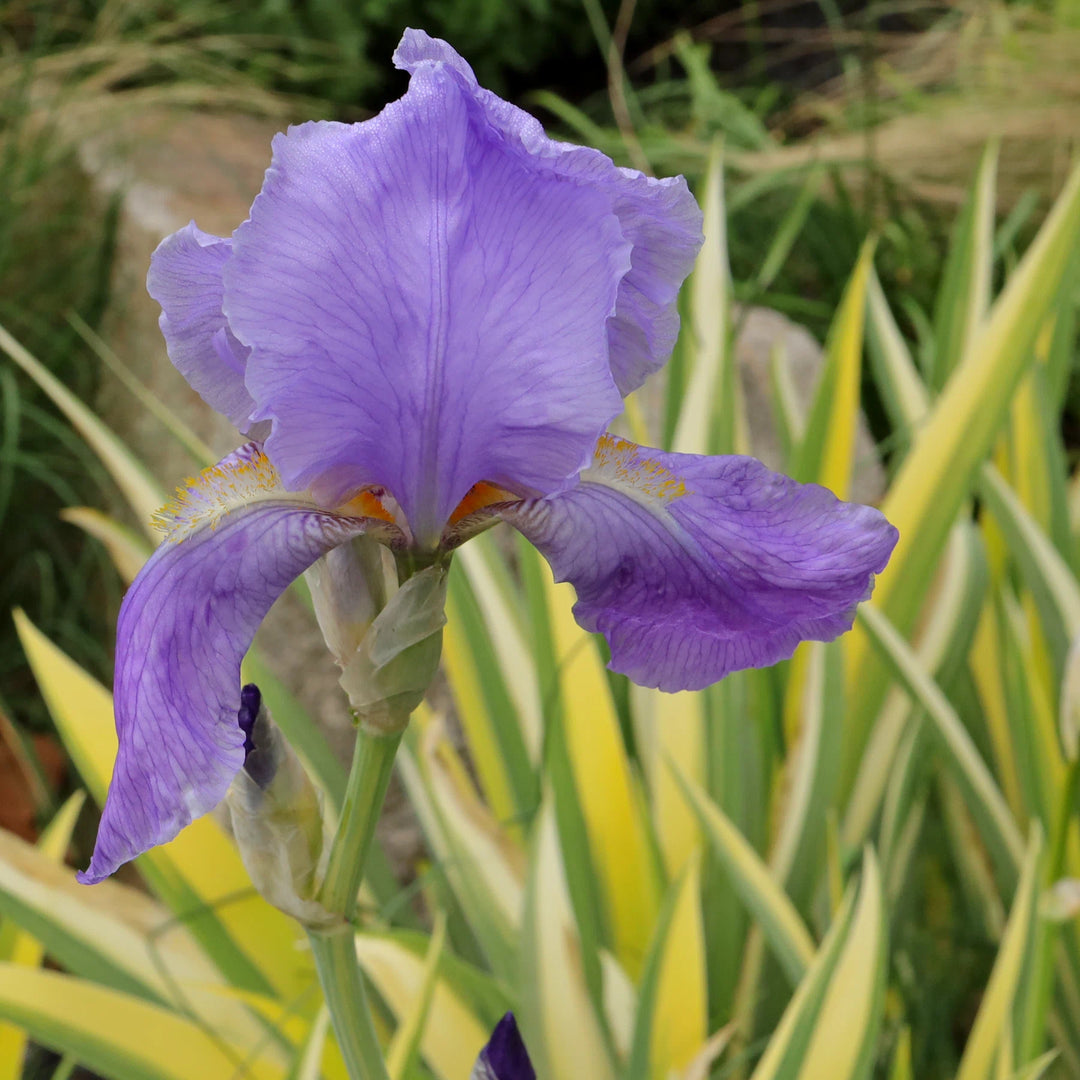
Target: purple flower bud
column 505, row 1056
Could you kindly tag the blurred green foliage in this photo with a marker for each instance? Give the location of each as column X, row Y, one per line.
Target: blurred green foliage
column 55, row 254
column 338, row 52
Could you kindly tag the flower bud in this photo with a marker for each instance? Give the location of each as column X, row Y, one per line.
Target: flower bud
column 277, row 817
column 348, row 587
column 505, row 1056
column 395, row 662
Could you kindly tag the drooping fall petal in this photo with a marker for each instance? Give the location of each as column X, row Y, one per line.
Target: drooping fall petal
column 236, row 540
column 693, row 567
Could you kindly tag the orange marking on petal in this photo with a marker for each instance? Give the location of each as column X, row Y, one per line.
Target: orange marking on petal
column 479, row 496
column 365, row 504
column 204, row 500
column 623, row 461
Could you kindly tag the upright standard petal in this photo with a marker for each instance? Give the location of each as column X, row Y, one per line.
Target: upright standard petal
column 426, row 307
column 505, row 1056
column 236, row 539
column 659, row 218
column 185, row 279
column 693, row 567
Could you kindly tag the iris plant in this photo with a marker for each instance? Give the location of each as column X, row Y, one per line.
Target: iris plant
column 425, row 327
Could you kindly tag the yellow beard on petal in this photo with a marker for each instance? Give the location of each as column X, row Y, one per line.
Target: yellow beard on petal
column 621, row 462
column 202, row 501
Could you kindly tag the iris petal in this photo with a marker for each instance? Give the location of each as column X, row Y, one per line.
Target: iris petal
column 504, row 1057
column 185, row 279
column 693, row 567
column 659, row 218
column 238, row 539
column 426, row 307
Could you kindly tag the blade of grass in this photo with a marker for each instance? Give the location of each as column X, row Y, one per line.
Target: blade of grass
column 404, row 1051
column 558, row 1018
column 127, row 549
column 1002, row 834
column 141, row 490
column 710, row 412
column 964, row 296
column 825, row 454
column 670, row 1027
column 116, row 937
column 115, row 1034
column 200, row 453
column 761, row 892
column 786, row 1050
column 617, row 831
column 671, row 726
column 453, row 1033
column 952, row 618
column 844, row 1041
column 813, row 712
column 1046, row 574
column 20, row 947
column 982, row 1045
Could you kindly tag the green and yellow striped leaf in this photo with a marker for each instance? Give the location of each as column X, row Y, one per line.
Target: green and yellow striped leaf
column 19, row 946
column 561, row 1026
column 672, row 1016
column 118, row 1036
column 143, row 493
column 755, row 883
column 617, row 831
column 993, row 1019
column 843, row 1045
column 935, row 478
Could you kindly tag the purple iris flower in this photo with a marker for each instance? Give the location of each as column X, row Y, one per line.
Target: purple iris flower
column 425, row 326
column 505, row 1056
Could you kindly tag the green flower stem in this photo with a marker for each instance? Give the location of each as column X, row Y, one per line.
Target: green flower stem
column 373, row 761
column 335, row 949
column 343, row 988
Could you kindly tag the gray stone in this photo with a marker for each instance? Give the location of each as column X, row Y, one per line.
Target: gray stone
column 763, row 330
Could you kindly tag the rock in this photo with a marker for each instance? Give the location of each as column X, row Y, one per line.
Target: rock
column 167, row 168
column 762, row 331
